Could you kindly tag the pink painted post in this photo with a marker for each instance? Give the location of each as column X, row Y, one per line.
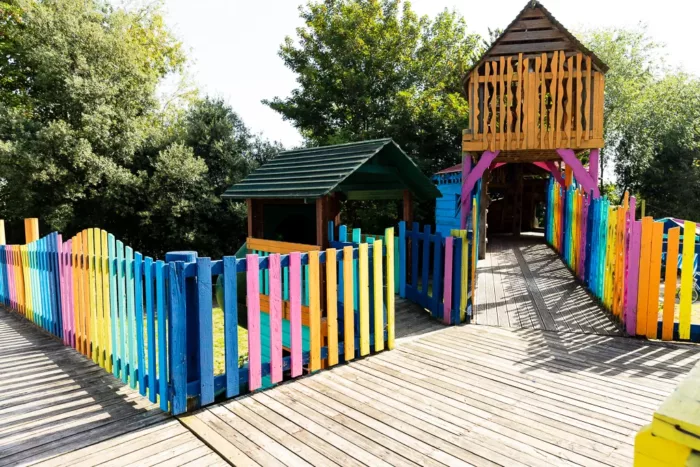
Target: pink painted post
column 468, row 185
column 594, row 164
column 447, row 302
column 582, row 238
column 295, row 318
column 633, row 277
column 628, row 236
column 253, row 299
column 466, row 169
column 9, row 254
column 275, row 319
column 67, row 249
column 62, row 288
column 495, row 165
column 581, row 174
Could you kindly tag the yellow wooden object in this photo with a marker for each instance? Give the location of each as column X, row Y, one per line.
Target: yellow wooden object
column 332, row 305
column 315, row 312
column 378, row 296
column 389, row 239
column 657, row 238
column 94, row 331
column 283, row 248
column 2, row 232
column 654, row 451
column 363, row 271
column 31, row 230
column 77, row 330
column 644, row 264
column 670, row 284
column 474, row 258
column 100, row 320
column 348, row 306
column 104, row 265
column 687, row 279
column 26, row 272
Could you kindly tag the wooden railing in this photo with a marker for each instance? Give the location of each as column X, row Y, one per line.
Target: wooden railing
column 546, row 102
column 151, row 323
column 624, row 261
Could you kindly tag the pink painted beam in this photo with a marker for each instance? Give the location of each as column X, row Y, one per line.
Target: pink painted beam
column 551, row 167
column 495, row 165
column 594, row 164
column 468, row 185
column 275, row 319
column 447, row 302
column 253, row 299
column 295, row 312
column 581, row 174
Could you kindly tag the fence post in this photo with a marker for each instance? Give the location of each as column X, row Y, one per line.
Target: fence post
column 402, row 259
column 190, row 317
column 2, row 232
column 177, row 337
column 31, row 229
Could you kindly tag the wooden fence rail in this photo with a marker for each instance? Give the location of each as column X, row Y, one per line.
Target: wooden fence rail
column 150, row 322
column 624, row 261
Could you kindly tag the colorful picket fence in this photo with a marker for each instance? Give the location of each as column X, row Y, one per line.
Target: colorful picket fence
column 433, row 271
column 624, row 261
column 150, row 322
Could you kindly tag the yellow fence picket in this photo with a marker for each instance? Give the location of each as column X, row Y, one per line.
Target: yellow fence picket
column 687, row 279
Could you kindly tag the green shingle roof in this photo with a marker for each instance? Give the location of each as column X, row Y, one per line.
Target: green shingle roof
column 314, row 172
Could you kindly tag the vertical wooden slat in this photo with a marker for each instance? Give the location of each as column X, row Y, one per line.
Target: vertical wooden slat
column 178, row 336
column 588, row 109
column 657, row 238
column 579, row 110
column 560, row 99
column 348, row 311
column 231, row 326
column 121, row 279
column 253, row 301
column 543, row 98
column 502, row 100
column 377, row 276
column 438, row 270
column 332, row 306
column 670, row 284
column 687, row 274
column 138, row 318
column 148, row 278
column 569, row 102
column 390, row 313
column 275, row 319
column 447, row 303
column 314, row 311
column 106, row 298
column 526, row 104
column 509, row 101
column 518, row 100
column 474, row 255
column 364, row 298
column 553, row 84
column 113, row 301
column 130, row 315
column 162, row 335
column 97, row 273
column 644, row 270
column 425, row 272
column 477, row 109
column 206, row 331
column 487, row 117
column 295, row 312
column 89, row 253
column 494, row 105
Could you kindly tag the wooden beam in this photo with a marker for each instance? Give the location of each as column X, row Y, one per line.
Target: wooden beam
column 594, row 164
column 466, row 170
column 475, row 174
column 581, row 174
column 407, row 207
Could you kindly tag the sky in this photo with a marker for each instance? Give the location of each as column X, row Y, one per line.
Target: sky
column 233, row 44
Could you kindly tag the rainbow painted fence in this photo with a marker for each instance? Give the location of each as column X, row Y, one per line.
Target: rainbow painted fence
column 624, row 261
column 150, row 322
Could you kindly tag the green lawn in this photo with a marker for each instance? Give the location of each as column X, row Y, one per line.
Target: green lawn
column 219, row 362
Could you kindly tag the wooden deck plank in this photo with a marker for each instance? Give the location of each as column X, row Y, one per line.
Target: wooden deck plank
column 57, row 408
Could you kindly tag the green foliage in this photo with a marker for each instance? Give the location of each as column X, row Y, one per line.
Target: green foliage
column 372, row 68
column 85, row 142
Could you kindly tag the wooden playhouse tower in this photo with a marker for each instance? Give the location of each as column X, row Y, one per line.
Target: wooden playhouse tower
column 535, row 96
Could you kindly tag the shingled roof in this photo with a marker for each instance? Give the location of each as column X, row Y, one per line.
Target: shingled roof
column 314, row 172
column 535, row 30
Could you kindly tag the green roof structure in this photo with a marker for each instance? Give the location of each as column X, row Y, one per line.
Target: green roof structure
column 377, row 169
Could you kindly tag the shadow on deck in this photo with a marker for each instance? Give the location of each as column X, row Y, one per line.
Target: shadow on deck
column 59, row 408
column 522, row 283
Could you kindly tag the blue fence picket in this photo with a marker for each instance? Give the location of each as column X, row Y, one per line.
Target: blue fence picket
column 150, row 328
column 438, row 271
column 178, row 336
column 162, row 327
column 402, row 259
column 231, row 326
column 457, row 280
column 206, row 332
column 138, row 317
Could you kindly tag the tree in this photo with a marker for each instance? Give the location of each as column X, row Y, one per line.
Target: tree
column 372, row 68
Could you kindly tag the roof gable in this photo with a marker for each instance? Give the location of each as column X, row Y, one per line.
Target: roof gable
column 314, row 172
column 535, row 31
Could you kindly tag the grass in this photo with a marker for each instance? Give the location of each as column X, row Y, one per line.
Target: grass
column 219, row 360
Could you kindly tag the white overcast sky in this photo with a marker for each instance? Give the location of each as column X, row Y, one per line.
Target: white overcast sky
column 233, row 44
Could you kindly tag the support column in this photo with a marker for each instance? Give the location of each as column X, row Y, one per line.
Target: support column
column 594, row 165
column 407, row 207
column 468, row 184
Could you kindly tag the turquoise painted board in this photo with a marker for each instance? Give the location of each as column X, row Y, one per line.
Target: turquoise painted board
column 130, row 316
column 111, row 251
column 121, row 279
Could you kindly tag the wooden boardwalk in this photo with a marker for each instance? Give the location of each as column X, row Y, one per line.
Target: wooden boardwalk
column 58, row 408
column 523, row 283
column 470, row 395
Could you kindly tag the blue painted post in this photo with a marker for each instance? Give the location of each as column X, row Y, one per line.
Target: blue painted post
column 415, row 238
column 342, row 237
column 206, row 332
column 231, row 326
column 138, row 315
column 457, row 281
column 178, row 336
column 402, row 259
column 191, row 312
column 425, row 280
column 437, row 276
